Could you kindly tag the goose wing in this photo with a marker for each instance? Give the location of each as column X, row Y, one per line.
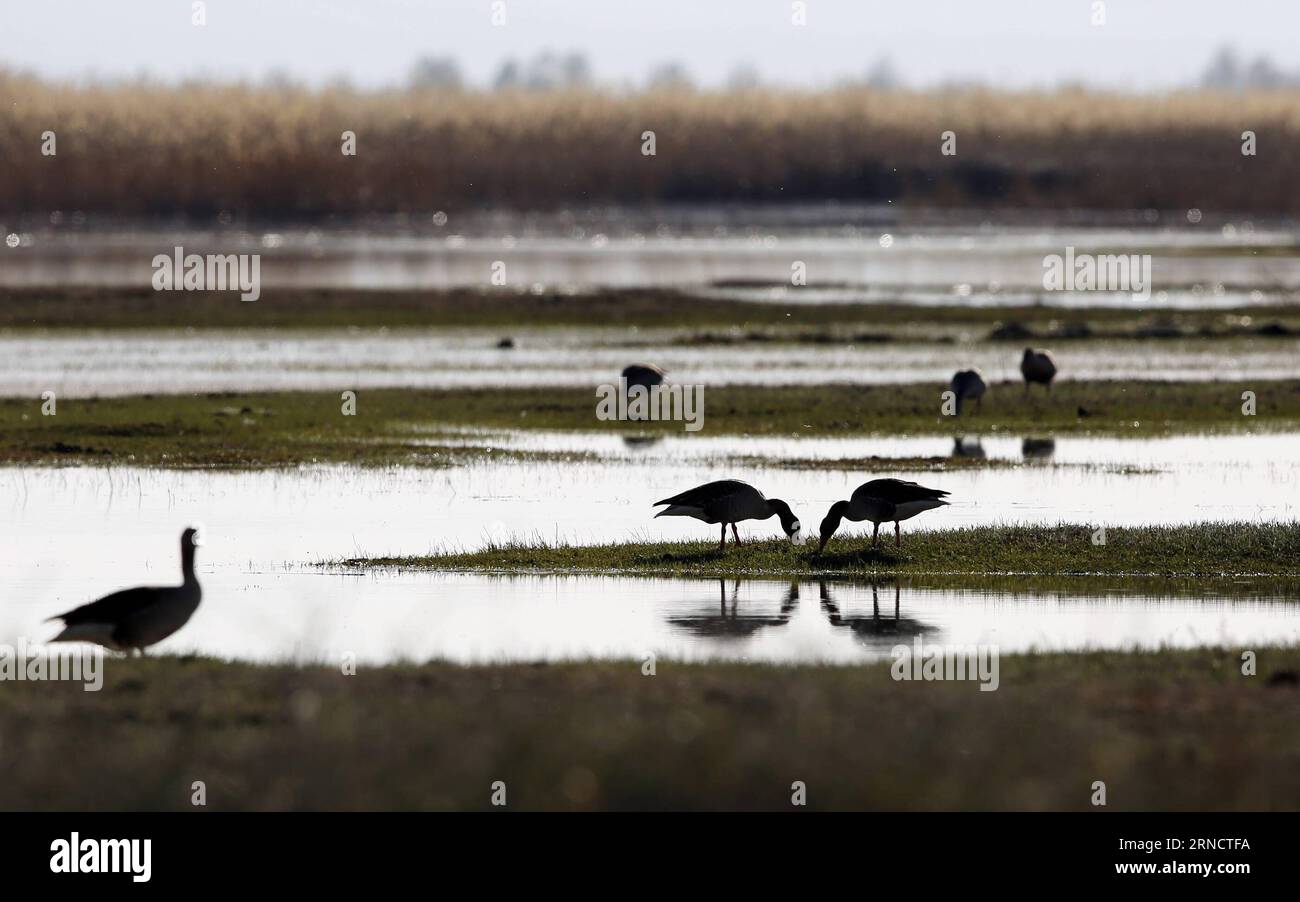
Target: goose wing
column 112, row 608
column 897, row 491
column 710, row 493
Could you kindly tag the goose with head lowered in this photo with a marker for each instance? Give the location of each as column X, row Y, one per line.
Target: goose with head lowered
column 881, row 501
column 729, row 501
column 139, row 617
column 967, row 385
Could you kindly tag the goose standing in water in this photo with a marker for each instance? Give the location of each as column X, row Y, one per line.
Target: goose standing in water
column 729, row 501
column 968, row 385
column 1038, row 366
column 139, row 617
column 881, row 501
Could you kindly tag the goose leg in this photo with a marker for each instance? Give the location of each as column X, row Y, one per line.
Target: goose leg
column 875, row 535
column 723, row 544
column 898, row 535
column 735, row 533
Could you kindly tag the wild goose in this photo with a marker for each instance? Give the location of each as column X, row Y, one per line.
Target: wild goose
column 1038, row 366
column 729, row 501
column 139, row 617
column 881, row 501
column 643, row 374
column 967, row 385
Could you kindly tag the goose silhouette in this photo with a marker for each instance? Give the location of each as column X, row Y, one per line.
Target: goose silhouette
column 140, row 617
column 1038, row 366
column 968, row 385
column 881, row 501
column 729, row 501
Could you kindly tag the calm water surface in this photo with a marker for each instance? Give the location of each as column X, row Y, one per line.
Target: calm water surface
column 84, row 364
column 308, row 616
column 1210, row 266
column 70, row 535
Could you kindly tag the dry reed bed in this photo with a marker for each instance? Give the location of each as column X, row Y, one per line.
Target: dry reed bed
column 142, row 149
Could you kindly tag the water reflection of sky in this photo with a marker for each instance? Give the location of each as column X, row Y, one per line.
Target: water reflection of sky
column 312, row 616
column 107, row 363
column 1190, row 267
column 69, row 535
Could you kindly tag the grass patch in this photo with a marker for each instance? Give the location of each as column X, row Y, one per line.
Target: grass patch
column 405, row 426
column 1199, row 550
column 694, row 320
column 1168, row 730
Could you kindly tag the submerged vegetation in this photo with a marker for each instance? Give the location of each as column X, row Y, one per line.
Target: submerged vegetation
column 1166, row 730
column 1197, row 550
column 427, row 427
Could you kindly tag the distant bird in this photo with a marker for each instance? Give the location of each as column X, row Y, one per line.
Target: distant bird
column 139, row 617
column 643, row 374
column 1038, row 366
column 968, row 385
column 506, row 343
column 881, row 501
column 1083, row 412
column 729, row 501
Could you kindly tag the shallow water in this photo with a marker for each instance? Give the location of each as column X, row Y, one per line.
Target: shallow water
column 320, row 617
column 329, row 512
column 84, row 364
column 1190, row 267
column 70, row 535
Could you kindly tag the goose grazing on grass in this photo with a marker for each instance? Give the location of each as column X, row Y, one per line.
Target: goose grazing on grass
column 729, row 501
column 1038, row 366
column 139, row 617
column 967, row 385
column 881, row 501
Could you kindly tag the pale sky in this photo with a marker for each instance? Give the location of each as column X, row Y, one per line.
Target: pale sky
column 1144, row 45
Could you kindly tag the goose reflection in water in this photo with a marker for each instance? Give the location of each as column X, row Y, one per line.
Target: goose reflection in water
column 1038, row 448
column 875, row 631
column 721, row 623
column 967, row 447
